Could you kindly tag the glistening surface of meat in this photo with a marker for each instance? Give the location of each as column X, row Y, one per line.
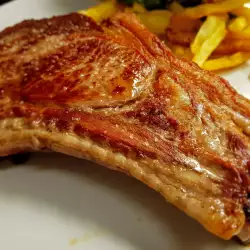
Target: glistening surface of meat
column 115, row 94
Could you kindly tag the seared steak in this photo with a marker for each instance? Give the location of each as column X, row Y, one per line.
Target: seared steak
column 115, row 94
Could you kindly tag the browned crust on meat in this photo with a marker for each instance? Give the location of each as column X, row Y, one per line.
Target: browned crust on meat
column 181, row 130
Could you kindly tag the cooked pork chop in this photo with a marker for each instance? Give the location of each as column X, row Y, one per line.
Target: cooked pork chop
column 115, row 94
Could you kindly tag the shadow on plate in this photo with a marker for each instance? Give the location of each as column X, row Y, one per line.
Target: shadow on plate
column 87, row 191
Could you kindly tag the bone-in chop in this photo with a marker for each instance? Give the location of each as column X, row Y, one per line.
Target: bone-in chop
column 115, row 94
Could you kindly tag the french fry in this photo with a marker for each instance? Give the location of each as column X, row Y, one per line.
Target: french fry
column 101, row 11
column 238, row 24
column 180, row 37
column 156, row 20
column 205, row 44
column 182, row 30
column 230, row 46
column 244, row 34
column 226, row 62
column 206, row 30
column 243, row 11
column 183, row 23
column 185, row 33
column 207, row 9
column 181, row 51
column 175, row 7
column 138, row 8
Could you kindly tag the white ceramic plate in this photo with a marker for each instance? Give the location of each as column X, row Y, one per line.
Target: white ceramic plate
column 58, row 202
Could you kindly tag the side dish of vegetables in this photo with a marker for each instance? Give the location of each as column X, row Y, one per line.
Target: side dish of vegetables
column 215, row 34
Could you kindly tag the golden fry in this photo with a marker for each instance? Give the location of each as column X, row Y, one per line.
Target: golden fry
column 226, row 62
column 203, row 48
column 233, row 42
column 238, row 24
column 207, row 29
column 181, row 51
column 101, row 11
column 230, row 46
column 175, row 7
column 207, row 9
column 187, row 36
column 244, row 34
column 180, row 38
column 243, row 11
column 183, row 23
column 156, row 21
column 138, row 8
column 182, row 30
